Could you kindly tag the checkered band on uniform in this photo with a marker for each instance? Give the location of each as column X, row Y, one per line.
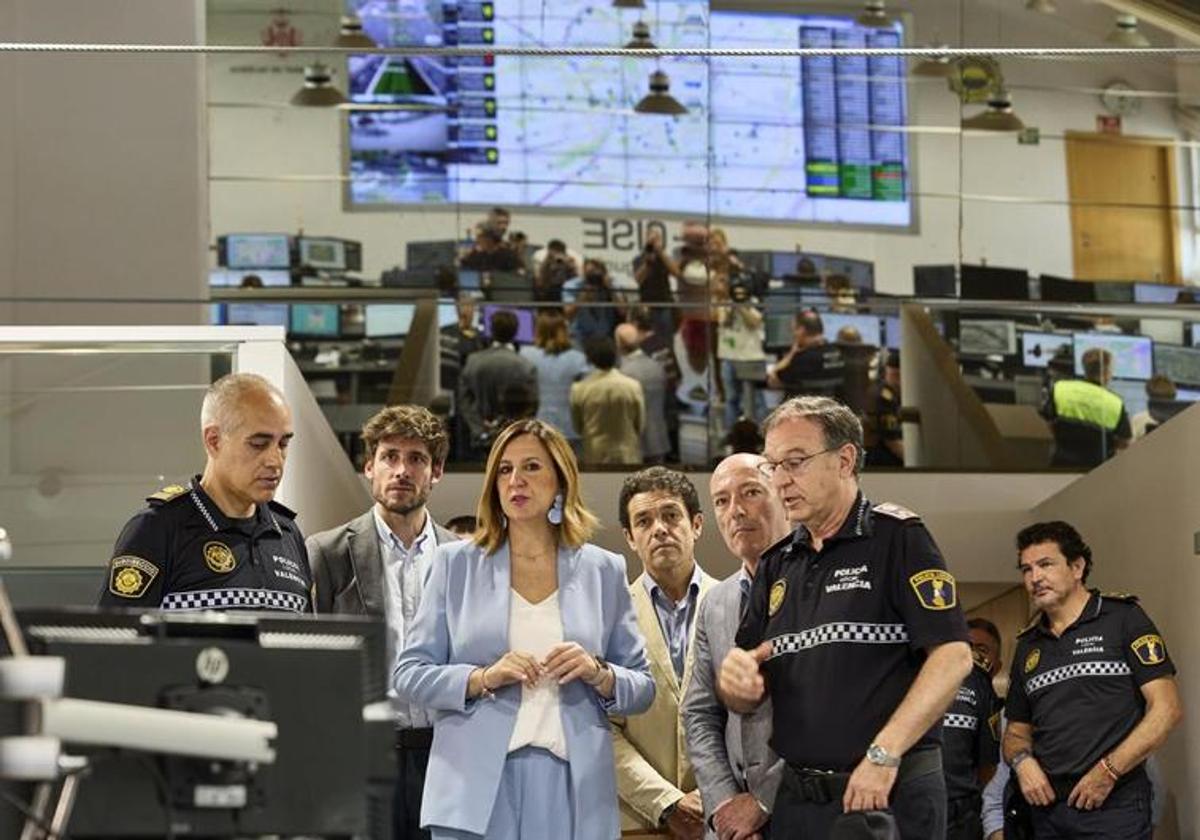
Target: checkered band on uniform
column 244, row 599
column 1111, row 668
column 839, row 632
column 961, row 721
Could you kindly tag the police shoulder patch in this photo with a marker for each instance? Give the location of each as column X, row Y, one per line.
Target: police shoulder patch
column 167, row 494
column 935, row 588
column 1032, row 659
column 130, row 576
column 1150, row 649
column 894, row 511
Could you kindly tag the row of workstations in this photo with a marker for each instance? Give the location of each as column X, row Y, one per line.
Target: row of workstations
column 985, row 282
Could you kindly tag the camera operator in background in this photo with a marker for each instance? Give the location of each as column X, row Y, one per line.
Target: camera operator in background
column 589, row 322
column 490, row 252
column 740, row 337
column 556, row 267
column 653, row 272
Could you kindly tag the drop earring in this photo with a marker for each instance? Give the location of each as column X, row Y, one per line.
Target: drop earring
column 556, row 510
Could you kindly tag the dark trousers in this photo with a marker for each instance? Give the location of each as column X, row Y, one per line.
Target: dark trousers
column 964, row 818
column 917, row 803
column 1125, row 815
column 412, row 758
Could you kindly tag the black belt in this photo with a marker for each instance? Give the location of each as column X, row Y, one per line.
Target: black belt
column 414, row 739
column 824, row 786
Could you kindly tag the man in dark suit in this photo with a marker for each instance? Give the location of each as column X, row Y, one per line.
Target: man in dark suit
column 736, row 770
column 377, row 564
column 489, row 381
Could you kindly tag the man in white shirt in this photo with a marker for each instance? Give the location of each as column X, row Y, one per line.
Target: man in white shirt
column 377, row 563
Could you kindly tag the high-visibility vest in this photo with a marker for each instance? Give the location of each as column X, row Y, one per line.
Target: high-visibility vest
column 1079, row 399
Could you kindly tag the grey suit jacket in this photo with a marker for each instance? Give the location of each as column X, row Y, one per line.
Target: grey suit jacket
column 729, row 752
column 484, row 380
column 347, row 566
column 653, row 377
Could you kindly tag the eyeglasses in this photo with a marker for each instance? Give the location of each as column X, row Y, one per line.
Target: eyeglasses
column 793, row 465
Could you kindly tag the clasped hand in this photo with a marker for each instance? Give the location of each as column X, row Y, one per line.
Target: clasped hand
column 564, row 662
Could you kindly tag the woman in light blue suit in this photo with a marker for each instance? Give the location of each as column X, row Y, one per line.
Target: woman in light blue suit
column 524, row 643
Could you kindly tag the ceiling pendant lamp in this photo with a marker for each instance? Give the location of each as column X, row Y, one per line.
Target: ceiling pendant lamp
column 874, row 15
column 318, row 90
column 1126, row 33
column 659, row 100
column 999, row 115
column 641, row 37
column 351, row 35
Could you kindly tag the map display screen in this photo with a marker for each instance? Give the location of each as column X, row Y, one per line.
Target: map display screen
column 811, row 140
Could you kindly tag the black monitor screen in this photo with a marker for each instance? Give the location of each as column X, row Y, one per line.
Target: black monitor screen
column 1066, row 290
column 1113, row 291
column 1182, row 364
column 935, row 281
column 311, row 677
column 985, row 282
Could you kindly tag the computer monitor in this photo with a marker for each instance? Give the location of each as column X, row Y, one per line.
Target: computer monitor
column 867, row 326
column 935, row 281
column 254, row 250
column 987, row 337
column 1132, row 393
column 447, row 315
column 312, row 677
column 315, row 320
column 1066, row 290
column 985, row 282
column 228, row 278
column 1182, row 364
column 257, row 314
column 760, row 261
column 861, row 273
column 470, row 281
column 1155, row 293
column 388, row 320
column 508, row 286
column 1038, row 348
column 1113, row 291
column 1133, row 355
column 794, row 264
column 525, row 319
column 1187, row 395
column 777, row 327
column 323, row 253
column 423, row 259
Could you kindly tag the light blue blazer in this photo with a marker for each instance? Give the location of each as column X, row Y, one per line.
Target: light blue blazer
column 462, row 624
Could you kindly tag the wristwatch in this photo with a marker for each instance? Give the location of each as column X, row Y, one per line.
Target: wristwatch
column 601, row 669
column 1020, row 756
column 666, row 813
column 878, row 755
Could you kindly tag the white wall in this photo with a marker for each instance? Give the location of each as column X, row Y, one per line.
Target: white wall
column 995, row 170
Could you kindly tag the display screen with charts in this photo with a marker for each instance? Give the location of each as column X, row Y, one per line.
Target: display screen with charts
column 1133, row 355
column 819, row 139
column 1038, row 348
column 1181, row 364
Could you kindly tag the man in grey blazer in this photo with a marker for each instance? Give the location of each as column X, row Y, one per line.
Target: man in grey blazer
column 735, row 769
column 377, row 565
column 635, row 364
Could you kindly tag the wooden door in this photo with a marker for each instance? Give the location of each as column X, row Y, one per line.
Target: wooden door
column 1123, row 224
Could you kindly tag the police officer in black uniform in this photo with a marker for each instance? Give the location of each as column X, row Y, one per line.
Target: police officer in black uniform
column 1092, row 694
column 883, row 432
column 970, row 750
column 221, row 542
column 855, row 623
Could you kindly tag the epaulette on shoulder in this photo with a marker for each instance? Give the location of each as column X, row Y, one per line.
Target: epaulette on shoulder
column 1124, row 597
column 980, row 660
column 167, row 495
column 283, row 510
column 895, row 511
column 780, row 546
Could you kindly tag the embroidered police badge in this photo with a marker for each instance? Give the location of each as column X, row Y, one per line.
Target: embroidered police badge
column 219, row 558
column 1150, row 649
column 778, row 590
column 1032, row 660
column 130, row 576
column 935, row 589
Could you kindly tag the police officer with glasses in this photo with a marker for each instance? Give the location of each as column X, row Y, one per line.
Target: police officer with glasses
column 1092, row 695
column 853, row 627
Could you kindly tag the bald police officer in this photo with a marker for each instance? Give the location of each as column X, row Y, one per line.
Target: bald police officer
column 220, row 542
column 853, row 623
column 1092, row 694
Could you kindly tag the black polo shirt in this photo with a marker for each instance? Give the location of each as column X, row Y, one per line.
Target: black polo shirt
column 970, row 734
column 182, row 553
column 1081, row 691
column 818, row 370
column 848, row 627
